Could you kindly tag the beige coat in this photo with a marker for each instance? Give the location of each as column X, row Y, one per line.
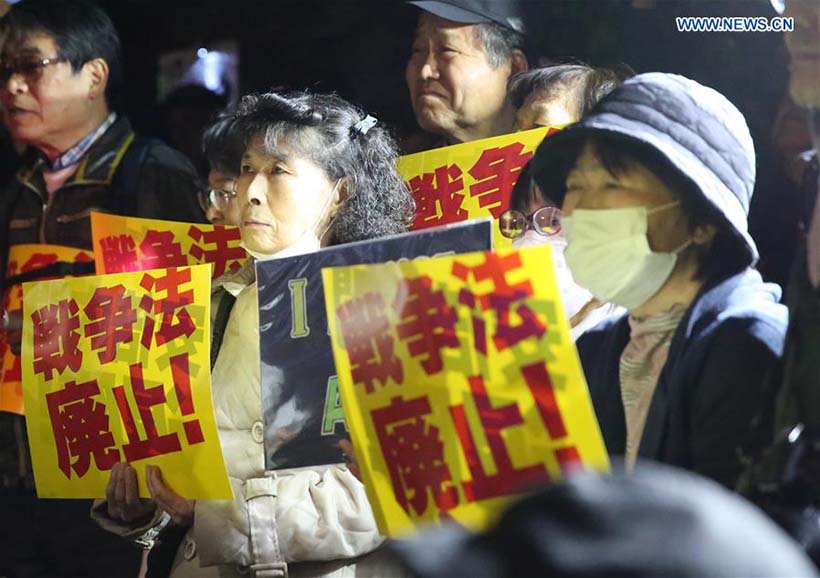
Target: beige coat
column 317, row 520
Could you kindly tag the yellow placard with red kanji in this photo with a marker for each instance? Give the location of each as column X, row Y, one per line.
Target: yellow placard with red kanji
column 116, row 368
column 123, row 244
column 469, row 180
column 460, row 383
column 26, row 259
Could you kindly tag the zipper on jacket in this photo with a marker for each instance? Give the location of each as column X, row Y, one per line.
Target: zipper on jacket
column 71, row 217
column 46, row 206
column 45, row 202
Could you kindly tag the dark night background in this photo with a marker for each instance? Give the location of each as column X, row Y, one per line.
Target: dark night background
column 358, row 49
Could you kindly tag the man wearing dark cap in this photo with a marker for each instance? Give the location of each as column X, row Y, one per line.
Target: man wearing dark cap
column 464, row 53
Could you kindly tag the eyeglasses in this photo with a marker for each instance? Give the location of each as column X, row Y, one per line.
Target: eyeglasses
column 219, row 199
column 30, row 70
column 545, row 221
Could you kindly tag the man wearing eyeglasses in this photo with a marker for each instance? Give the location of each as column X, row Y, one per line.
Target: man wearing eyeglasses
column 59, row 66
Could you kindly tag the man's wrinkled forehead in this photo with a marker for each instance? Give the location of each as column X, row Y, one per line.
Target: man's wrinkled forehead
column 432, row 26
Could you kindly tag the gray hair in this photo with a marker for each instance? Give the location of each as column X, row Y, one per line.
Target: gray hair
column 323, row 128
column 578, row 85
column 499, row 42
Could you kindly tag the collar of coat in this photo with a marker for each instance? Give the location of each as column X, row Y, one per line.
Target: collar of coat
column 235, row 281
column 97, row 166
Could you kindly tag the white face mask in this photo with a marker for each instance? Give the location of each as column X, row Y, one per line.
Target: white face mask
column 573, row 296
column 308, row 241
column 608, row 253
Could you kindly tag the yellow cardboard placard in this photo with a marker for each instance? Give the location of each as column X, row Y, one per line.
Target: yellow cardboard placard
column 25, row 259
column 469, row 180
column 123, row 244
column 460, row 383
column 116, row 368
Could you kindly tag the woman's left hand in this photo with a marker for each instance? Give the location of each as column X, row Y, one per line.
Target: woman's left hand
column 180, row 509
column 350, row 453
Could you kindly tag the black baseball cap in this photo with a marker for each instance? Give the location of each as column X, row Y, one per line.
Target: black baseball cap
column 506, row 13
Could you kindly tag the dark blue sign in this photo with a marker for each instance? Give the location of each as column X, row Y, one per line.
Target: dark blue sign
column 303, row 413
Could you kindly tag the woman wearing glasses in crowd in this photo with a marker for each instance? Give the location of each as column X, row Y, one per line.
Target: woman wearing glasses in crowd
column 315, row 172
column 554, row 96
column 534, row 219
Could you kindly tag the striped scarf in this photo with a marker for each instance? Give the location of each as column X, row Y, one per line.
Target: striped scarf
column 641, row 363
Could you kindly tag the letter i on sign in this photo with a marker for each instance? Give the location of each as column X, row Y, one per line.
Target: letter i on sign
column 298, row 308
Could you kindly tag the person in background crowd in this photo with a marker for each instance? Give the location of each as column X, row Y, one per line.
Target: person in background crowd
column 59, row 68
column 783, row 479
column 185, row 114
column 534, row 219
column 654, row 522
column 558, row 95
column 654, row 211
column 223, row 147
column 801, row 399
column 554, row 96
column 315, row 172
column 463, row 55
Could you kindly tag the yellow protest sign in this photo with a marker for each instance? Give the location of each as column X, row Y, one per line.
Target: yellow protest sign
column 468, row 180
column 460, row 383
column 123, row 244
column 116, row 368
column 42, row 262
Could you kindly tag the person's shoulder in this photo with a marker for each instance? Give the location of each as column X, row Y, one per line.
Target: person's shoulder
column 750, row 317
column 163, row 170
column 163, row 180
column 608, row 337
column 159, row 156
column 744, row 303
column 610, row 321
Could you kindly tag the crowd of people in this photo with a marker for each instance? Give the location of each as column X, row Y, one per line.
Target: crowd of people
column 691, row 358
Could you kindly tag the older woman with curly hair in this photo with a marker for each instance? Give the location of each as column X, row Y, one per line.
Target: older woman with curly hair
column 315, row 171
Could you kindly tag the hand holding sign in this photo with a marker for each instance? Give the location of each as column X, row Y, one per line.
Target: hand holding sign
column 180, row 509
column 123, row 498
column 350, row 454
column 124, row 504
column 118, row 369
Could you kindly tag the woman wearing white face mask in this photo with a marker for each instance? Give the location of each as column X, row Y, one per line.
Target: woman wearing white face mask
column 534, row 219
column 657, row 182
column 316, row 171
